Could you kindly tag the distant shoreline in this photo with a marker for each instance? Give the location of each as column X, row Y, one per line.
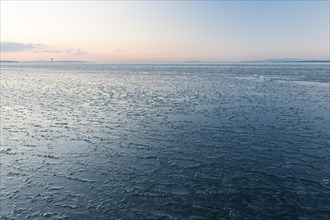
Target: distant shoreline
column 44, row 61
column 183, row 62
column 289, row 61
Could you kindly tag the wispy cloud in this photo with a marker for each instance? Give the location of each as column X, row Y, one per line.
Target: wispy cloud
column 67, row 51
column 16, row 47
column 37, row 48
column 47, row 51
column 76, row 52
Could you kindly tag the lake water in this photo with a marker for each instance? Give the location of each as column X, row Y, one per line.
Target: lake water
column 229, row 141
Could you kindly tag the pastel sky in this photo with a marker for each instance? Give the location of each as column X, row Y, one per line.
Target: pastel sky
column 164, row 31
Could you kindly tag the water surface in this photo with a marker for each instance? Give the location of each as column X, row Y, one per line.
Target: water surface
column 93, row 141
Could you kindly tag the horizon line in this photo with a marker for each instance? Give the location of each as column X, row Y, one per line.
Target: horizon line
column 271, row 60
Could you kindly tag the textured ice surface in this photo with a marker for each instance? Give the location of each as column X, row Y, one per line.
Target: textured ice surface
column 91, row 141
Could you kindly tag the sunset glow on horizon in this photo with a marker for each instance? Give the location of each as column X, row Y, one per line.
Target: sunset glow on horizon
column 125, row 32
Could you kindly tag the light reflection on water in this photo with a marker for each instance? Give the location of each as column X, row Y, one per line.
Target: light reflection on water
column 91, row 141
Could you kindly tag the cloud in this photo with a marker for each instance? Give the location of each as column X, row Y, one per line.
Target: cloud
column 37, row 48
column 48, row 51
column 16, row 47
column 76, row 52
column 80, row 52
column 67, row 51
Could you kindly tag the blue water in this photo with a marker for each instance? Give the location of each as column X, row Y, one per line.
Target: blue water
column 227, row 141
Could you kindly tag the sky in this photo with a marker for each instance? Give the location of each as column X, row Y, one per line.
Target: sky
column 164, row 31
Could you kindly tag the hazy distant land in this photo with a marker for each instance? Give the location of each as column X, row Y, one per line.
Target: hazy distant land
column 281, row 60
column 40, row 61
